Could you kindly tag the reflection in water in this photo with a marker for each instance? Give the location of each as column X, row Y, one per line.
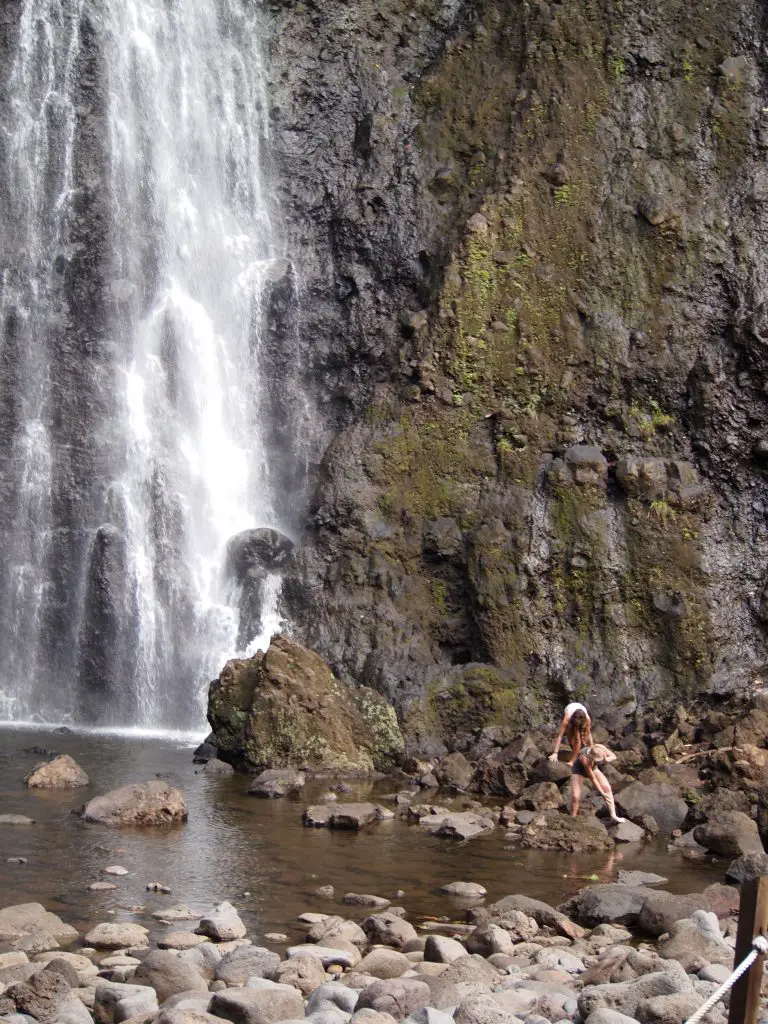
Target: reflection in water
column 235, row 845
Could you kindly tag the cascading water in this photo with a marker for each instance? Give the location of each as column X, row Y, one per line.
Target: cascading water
column 136, row 245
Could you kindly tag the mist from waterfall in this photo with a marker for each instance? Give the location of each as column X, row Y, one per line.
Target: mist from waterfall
column 136, row 253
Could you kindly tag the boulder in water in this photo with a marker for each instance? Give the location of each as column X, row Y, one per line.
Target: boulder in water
column 61, row 773
column 146, row 803
column 275, row 782
column 286, row 709
column 257, row 549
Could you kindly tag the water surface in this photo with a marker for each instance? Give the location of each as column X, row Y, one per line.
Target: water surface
column 256, row 852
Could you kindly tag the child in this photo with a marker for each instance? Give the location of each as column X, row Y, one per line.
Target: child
column 586, row 765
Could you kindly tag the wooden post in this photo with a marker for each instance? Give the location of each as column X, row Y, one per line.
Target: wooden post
column 753, row 920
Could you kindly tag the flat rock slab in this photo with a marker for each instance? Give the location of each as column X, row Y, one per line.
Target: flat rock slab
column 640, row 878
column 117, row 935
column 350, row 816
column 32, row 918
column 101, row 886
column 267, row 1005
column 326, row 954
column 16, row 819
column 357, row 899
column 181, row 940
column 178, row 913
column 459, row 825
column 465, row 890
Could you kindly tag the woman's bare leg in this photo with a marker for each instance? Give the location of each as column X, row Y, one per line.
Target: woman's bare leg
column 605, row 786
column 577, row 784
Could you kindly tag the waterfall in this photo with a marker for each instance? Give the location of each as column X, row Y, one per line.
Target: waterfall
column 136, row 248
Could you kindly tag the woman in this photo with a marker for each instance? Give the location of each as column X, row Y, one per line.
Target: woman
column 567, row 725
column 586, row 765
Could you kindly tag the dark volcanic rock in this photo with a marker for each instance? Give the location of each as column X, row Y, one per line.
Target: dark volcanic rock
column 430, row 243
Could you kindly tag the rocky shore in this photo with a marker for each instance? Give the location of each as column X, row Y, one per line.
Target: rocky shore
column 613, row 954
column 698, row 775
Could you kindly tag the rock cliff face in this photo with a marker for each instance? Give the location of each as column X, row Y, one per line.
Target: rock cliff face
column 528, row 306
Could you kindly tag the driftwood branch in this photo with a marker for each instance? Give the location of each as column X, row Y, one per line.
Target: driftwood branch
column 702, row 753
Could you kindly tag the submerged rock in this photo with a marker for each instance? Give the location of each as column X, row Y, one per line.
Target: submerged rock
column 275, row 782
column 286, row 709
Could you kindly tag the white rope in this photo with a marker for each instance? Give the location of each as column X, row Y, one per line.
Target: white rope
column 760, row 948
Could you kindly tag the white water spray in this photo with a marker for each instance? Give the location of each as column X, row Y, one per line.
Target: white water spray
column 190, row 246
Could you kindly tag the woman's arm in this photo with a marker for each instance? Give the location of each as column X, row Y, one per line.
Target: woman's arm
column 559, row 739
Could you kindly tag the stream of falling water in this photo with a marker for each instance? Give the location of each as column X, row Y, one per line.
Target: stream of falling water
column 137, row 253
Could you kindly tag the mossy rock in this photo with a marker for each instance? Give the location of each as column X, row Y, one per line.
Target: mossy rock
column 286, row 709
column 466, row 699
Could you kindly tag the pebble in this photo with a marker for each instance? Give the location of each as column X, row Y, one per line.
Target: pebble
column 275, row 937
column 101, row 886
column 16, row 860
column 115, row 869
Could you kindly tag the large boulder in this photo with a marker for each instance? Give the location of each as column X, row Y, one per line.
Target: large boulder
column 270, row 1003
column 25, row 919
column 541, row 912
column 222, row 924
column 606, row 904
column 60, row 773
column 247, row 962
column 729, row 834
column 627, row 996
column 384, row 962
column 286, row 709
column 397, row 996
column 168, row 975
column 696, row 941
column 115, row 1002
column 659, row 800
column 550, row 830
column 47, row 998
column 661, row 909
column 747, row 867
column 306, row 973
column 145, row 803
column 117, row 935
column 388, row 929
column 258, row 549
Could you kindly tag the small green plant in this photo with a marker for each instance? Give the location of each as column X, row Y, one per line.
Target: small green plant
column 504, row 445
column 617, row 66
column 524, row 260
column 687, row 69
column 660, row 420
column 562, row 195
column 689, row 534
column 663, row 511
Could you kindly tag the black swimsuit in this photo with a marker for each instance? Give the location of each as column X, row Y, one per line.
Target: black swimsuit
column 579, row 769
